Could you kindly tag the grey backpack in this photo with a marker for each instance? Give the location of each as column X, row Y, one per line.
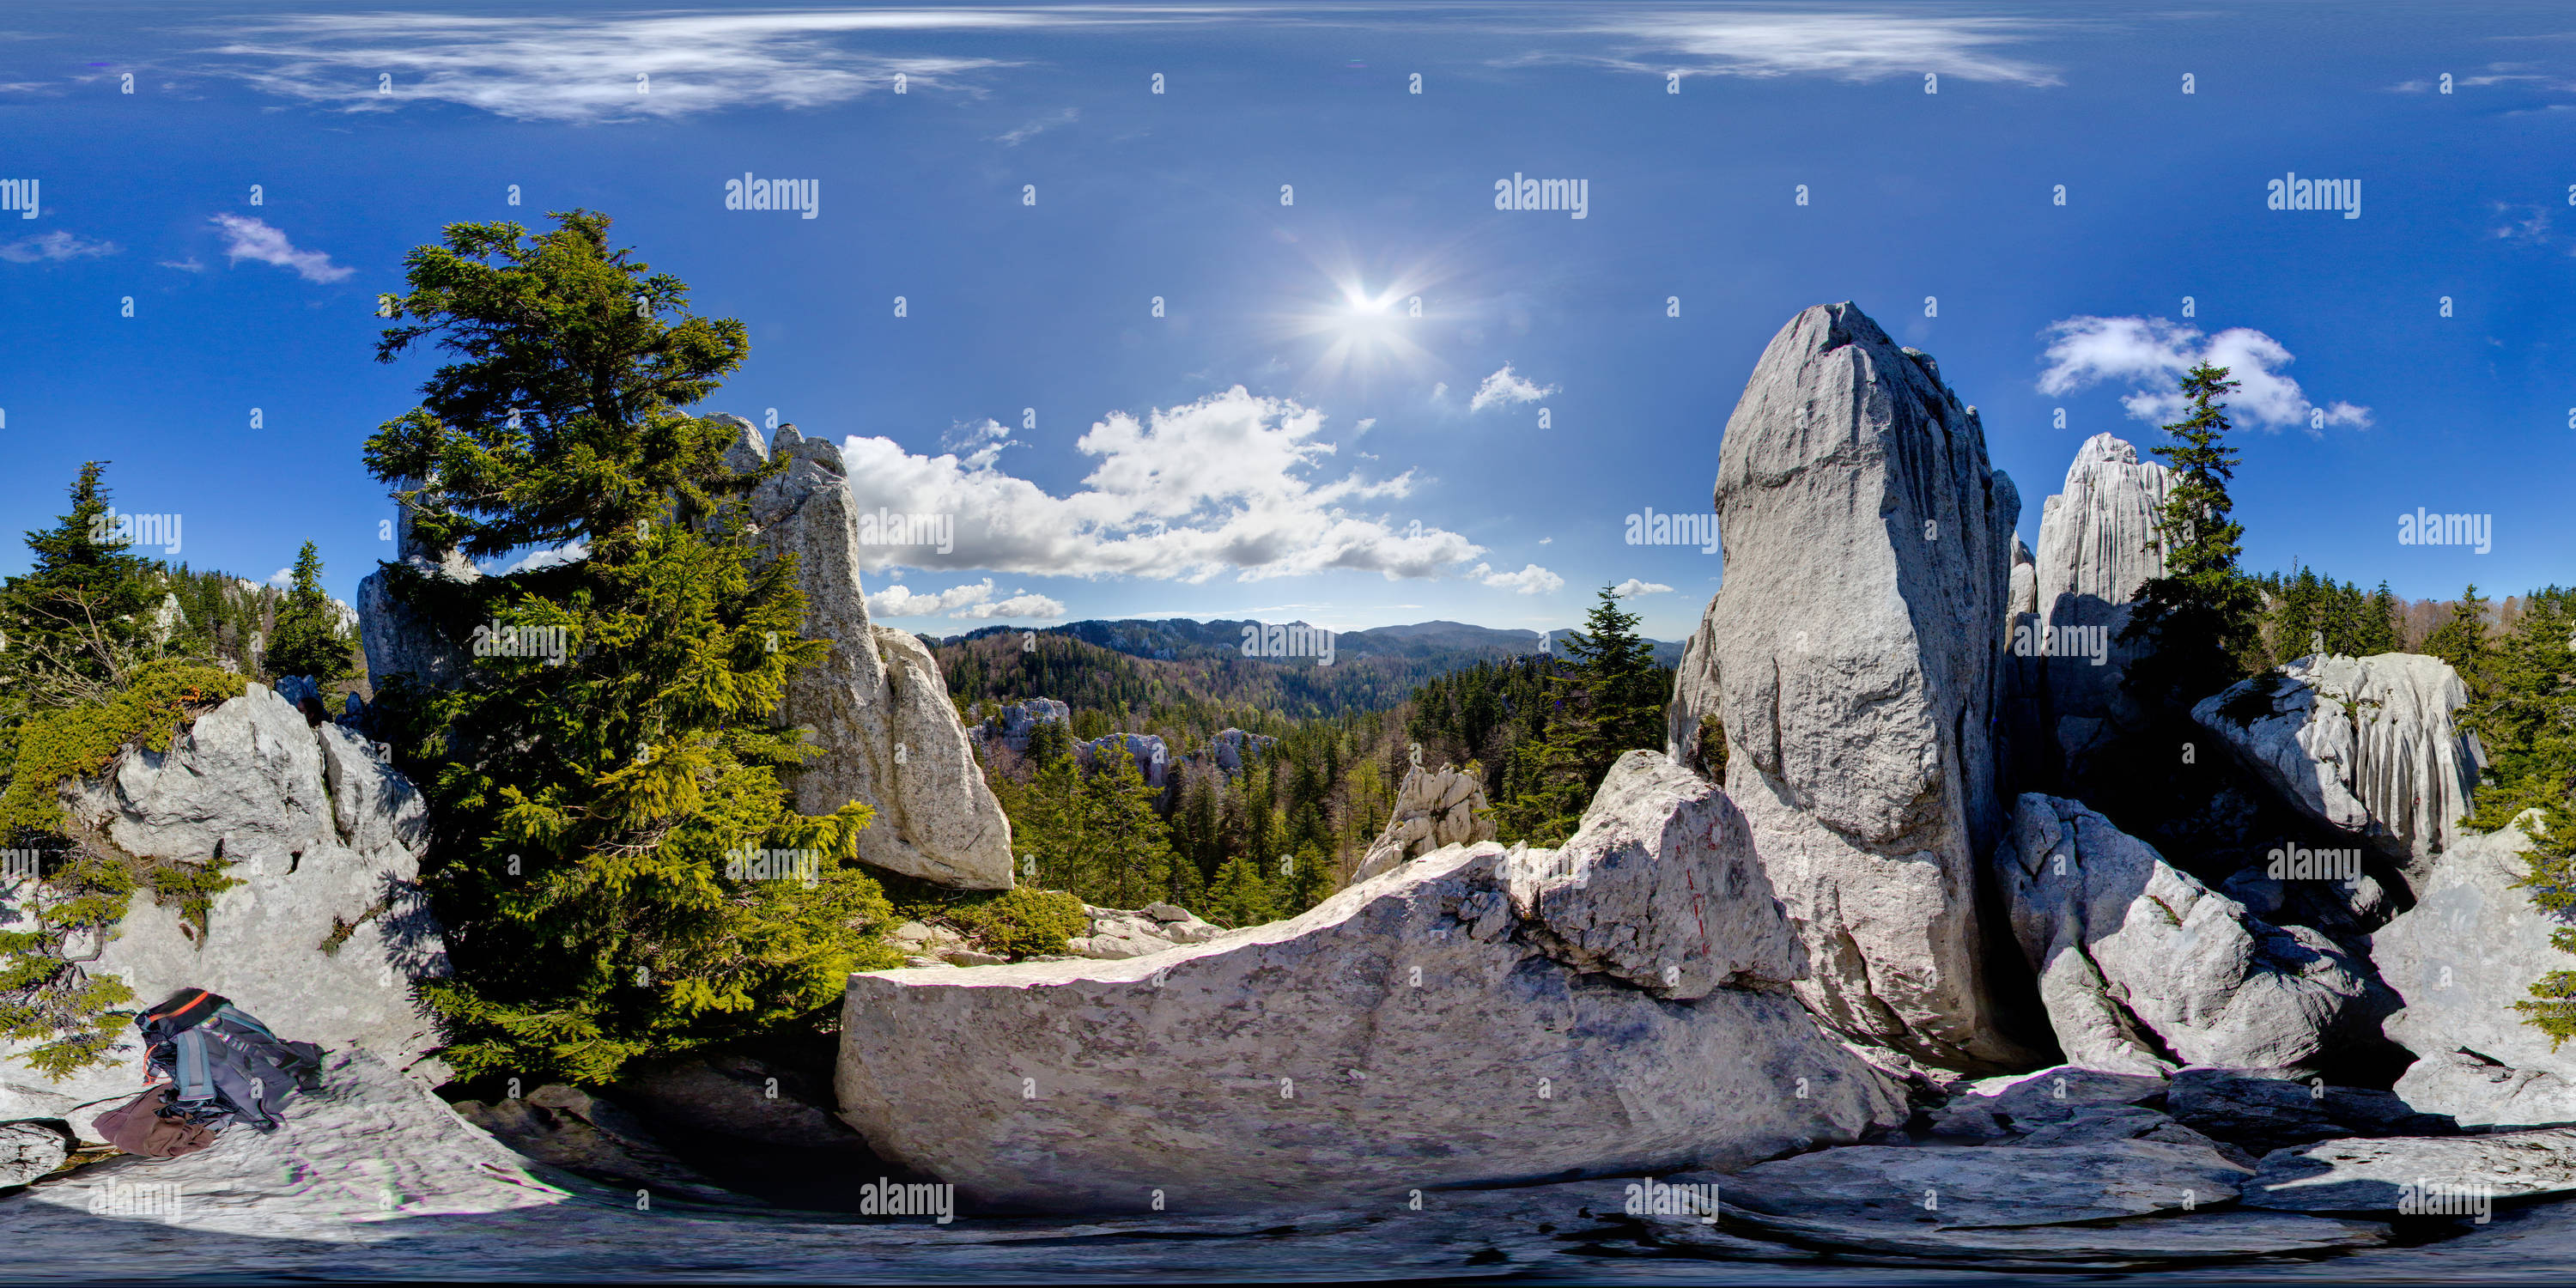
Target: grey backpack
column 226, row 1063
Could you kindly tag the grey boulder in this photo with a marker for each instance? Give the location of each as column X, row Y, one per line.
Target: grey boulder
column 2135, row 956
column 1950, row 1187
column 2366, row 746
column 328, row 928
column 1412, row 1031
column 2403, row 1173
column 1433, row 809
column 31, row 1149
column 2471, row 947
column 2098, row 547
column 1854, row 645
column 1153, row 759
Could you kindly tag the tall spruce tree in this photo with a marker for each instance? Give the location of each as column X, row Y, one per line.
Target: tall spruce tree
column 307, row 639
column 2200, row 616
column 1608, row 698
column 595, row 811
column 79, row 619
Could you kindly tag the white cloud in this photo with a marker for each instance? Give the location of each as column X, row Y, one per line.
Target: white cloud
column 546, row 558
column 1439, row 390
column 1037, row 127
column 55, row 245
column 1859, row 44
column 583, row 70
column 252, row 239
column 969, row 602
column 1632, row 587
column 1503, row 388
column 1232, row 482
column 188, row 265
column 1530, row 580
column 282, row 578
column 2150, row 354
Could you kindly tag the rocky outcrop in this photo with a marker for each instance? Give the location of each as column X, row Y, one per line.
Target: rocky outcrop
column 328, row 927
column 2367, row 746
column 878, row 707
column 1116, row 935
column 1012, row 724
column 399, row 636
column 1868, row 549
column 2263, row 1112
column 31, row 1149
column 1692, row 714
column 1433, row 809
column 1229, row 745
column 2417, row 1175
column 2097, row 550
column 1975, row 1188
column 1153, row 759
column 2137, row 959
column 1418, row 1030
column 2471, row 947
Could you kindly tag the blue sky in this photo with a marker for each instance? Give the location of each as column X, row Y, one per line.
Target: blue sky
column 1358, row 479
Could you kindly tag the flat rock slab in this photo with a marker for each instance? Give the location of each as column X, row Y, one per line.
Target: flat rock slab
column 1967, row 1187
column 2177, row 1236
column 2406, row 1173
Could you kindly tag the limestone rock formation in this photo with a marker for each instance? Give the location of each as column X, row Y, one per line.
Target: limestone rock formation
column 328, row 928
column 2367, row 746
column 2471, row 947
column 29, row 1150
column 1433, row 808
column 1229, row 746
column 1153, row 759
column 1978, row 1188
column 2382, row 1175
column 2097, row 550
column 1116, row 935
column 1868, row 553
column 1015, row 722
column 1412, row 1031
column 399, row 638
column 1695, row 701
column 878, row 707
column 573, row 1129
column 2135, row 956
column 1659, row 887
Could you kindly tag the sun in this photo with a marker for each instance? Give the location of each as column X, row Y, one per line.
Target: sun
column 1360, row 332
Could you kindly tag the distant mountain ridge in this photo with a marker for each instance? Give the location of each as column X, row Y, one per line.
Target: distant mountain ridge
column 1183, row 639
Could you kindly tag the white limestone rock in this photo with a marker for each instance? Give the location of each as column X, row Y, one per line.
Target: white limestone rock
column 878, row 707
column 2368, row 746
column 2358, row 1175
column 1868, row 552
column 1695, row 699
column 1153, row 759
column 1659, row 887
column 2098, row 548
column 328, row 928
column 2471, row 947
column 1433, row 809
column 2133, row 954
column 1405, row 1033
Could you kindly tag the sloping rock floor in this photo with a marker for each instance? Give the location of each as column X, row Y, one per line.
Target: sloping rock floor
column 374, row 1178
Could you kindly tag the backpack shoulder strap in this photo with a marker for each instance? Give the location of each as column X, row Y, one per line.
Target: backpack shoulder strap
column 244, row 1021
column 194, row 1072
